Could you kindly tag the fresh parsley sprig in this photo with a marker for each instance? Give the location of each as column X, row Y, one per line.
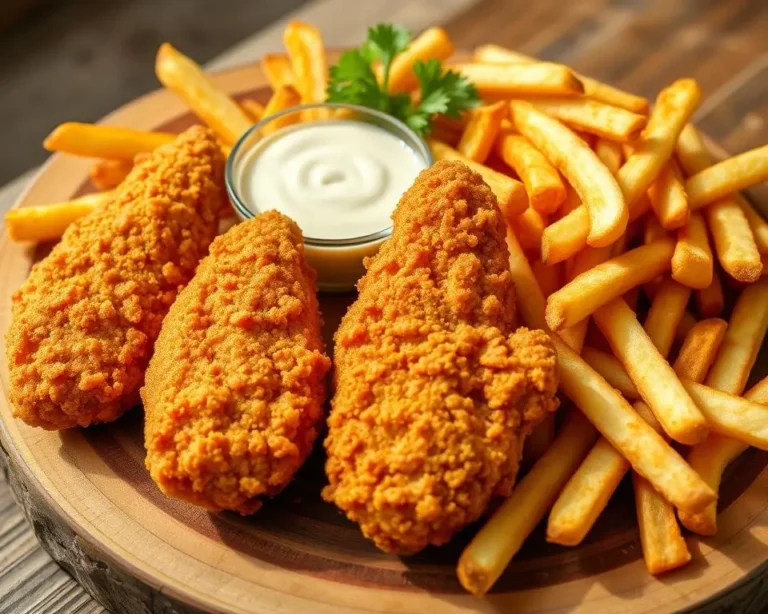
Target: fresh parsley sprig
column 354, row 81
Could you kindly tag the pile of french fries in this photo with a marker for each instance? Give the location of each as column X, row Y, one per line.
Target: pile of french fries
column 612, row 205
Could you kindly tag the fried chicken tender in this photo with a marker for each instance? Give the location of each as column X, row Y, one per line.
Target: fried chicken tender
column 435, row 392
column 235, row 390
column 85, row 320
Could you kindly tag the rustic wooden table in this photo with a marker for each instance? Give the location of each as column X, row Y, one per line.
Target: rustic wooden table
column 640, row 46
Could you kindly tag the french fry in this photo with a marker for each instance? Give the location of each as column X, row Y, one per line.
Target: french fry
column 610, row 154
column 48, row 222
column 565, row 237
column 538, row 442
column 545, row 188
column 674, row 107
column 108, row 174
column 481, row 131
column 726, row 177
column 183, row 76
column 281, row 99
column 432, row 43
column 667, row 309
column 691, row 152
column 109, row 142
column 253, row 109
column 306, row 51
column 278, row 70
column 610, row 368
column 668, row 198
column 529, row 226
column 756, row 223
column 593, row 89
column 607, row 281
column 490, row 551
column 700, row 348
column 514, row 80
column 510, row 193
column 687, row 322
column 651, row 373
column 653, row 230
column 592, row 117
column 593, row 182
column 759, row 392
column 710, row 301
column 692, row 263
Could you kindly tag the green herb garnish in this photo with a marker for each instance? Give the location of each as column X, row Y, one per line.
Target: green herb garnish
column 354, row 81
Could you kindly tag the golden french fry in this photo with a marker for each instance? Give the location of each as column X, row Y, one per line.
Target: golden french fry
column 253, row 109
column 500, row 538
column 674, row 107
column 700, row 348
column 513, row 80
column 609, row 367
column 179, row 73
column 571, row 203
column 596, row 187
column 610, row 153
column 99, row 141
column 306, row 51
column 734, row 240
column 687, row 322
column 278, row 70
column 710, row 301
column 691, row 151
column 538, row 442
column 607, row 281
column 726, row 177
column 692, row 263
column 759, row 392
column 281, row 99
column 668, row 198
column 432, row 43
column 651, row 373
column 48, row 222
column 653, row 230
column 596, row 90
column 481, row 131
column 528, row 226
column 545, row 188
column 108, row 174
column 667, row 309
column 592, row 117
column 756, row 222
column 511, row 194
column 565, row 237
column 530, row 299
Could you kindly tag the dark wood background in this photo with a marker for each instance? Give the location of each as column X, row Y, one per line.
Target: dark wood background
column 635, row 44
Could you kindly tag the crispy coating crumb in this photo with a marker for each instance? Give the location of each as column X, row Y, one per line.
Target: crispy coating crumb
column 85, row 321
column 434, row 390
column 235, row 390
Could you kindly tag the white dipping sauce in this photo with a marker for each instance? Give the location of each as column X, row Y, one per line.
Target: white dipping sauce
column 338, row 179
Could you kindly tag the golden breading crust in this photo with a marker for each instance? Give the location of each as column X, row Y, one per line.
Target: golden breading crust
column 235, row 390
column 85, row 321
column 434, row 390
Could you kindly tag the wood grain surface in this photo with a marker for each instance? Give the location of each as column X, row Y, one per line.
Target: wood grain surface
column 638, row 45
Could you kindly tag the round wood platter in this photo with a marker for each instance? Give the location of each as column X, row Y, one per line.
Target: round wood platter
column 96, row 511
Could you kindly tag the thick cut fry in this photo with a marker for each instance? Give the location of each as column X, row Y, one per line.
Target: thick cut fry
column 48, row 222
column 592, row 117
column 499, row 540
column 511, row 194
column 529, row 227
column 545, row 188
column 108, row 174
column 609, row 367
column 565, row 237
column 306, row 51
column 538, row 442
column 182, row 75
column 532, row 306
column 710, row 301
column 651, row 373
column 513, row 80
column 610, row 154
column 607, row 281
column 674, row 107
column 667, row 309
column 549, row 278
column 692, row 263
column 700, row 348
column 726, row 177
column 668, row 197
column 757, row 224
column 596, row 187
column 432, row 43
column 109, row 142
column 253, row 109
column 596, row 90
column 691, row 151
column 735, row 244
column 278, row 70
column 759, row 392
column 481, row 131
column 281, row 99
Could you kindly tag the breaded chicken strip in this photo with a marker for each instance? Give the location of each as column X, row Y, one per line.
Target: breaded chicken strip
column 85, row 321
column 434, row 389
column 235, row 390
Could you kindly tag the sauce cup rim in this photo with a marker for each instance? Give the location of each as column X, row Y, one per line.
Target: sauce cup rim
column 388, row 123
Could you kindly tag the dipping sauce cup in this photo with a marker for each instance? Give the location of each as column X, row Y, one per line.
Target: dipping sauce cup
column 338, row 171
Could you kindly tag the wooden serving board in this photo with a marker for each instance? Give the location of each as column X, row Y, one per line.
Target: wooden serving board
column 96, row 511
